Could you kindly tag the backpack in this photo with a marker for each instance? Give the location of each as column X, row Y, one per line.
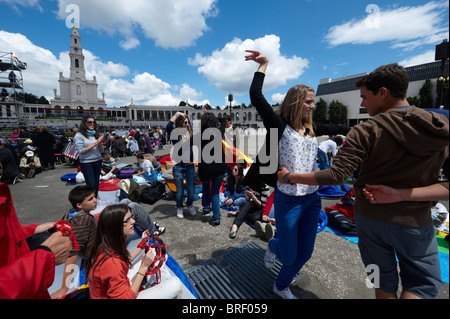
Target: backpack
column 341, row 223
column 130, row 188
column 341, row 216
column 151, row 194
column 126, row 173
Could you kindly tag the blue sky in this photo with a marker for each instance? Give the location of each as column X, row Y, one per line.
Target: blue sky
column 159, row 52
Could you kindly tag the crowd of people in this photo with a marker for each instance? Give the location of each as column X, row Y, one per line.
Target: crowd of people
column 282, row 202
column 26, row 152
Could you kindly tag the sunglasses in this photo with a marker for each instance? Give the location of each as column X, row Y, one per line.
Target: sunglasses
column 91, row 122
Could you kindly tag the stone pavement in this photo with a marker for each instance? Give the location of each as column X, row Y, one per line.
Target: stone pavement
column 335, row 270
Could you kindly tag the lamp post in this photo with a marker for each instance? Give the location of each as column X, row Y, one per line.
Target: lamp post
column 441, row 84
column 230, row 99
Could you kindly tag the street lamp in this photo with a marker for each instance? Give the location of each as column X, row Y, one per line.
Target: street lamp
column 230, row 99
column 441, row 87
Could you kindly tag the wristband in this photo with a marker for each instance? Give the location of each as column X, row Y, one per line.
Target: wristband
column 286, row 178
column 139, row 273
column 45, row 248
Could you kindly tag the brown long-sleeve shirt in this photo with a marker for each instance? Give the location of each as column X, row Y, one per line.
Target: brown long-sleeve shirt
column 401, row 148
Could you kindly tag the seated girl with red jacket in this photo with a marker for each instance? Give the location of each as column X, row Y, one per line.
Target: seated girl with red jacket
column 109, row 260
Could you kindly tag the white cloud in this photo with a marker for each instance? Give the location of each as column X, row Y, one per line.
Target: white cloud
column 278, row 98
column 170, row 23
column 426, row 57
column 191, row 95
column 23, row 3
column 130, row 43
column 143, row 88
column 229, row 72
column 147, row 89
column 43, row 68
column 416, row 25
column 432, row 39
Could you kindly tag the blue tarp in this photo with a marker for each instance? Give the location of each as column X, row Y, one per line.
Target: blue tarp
column 333, row 190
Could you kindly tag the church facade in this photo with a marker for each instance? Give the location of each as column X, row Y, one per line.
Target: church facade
column 76, row 92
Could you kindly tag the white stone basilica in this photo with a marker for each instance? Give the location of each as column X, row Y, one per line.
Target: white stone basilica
column 76, row 92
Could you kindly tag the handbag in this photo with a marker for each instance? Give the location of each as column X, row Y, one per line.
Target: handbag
column 70, row 151
column 151, row 194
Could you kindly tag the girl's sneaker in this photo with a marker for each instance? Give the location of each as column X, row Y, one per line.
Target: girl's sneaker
column 180, row 213
column 269, row 258
column 285, row 293
column 192, row 211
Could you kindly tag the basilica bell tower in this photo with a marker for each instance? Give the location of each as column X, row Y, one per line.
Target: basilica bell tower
column 76, row 56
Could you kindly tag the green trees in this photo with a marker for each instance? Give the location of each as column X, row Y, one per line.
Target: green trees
column 30, row 98
column 426, row 95
column 320, row 111
column 425, row 98
column 337, row 112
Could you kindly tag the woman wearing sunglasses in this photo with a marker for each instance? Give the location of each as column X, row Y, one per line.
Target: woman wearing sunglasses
column 179, row 130
column 89, row 143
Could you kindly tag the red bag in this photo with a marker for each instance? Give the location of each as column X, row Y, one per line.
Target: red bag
column 345, row 206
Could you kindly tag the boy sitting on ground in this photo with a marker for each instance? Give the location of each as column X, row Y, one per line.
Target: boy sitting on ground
column 108, row 164
column 146, row 168
column 84, row 228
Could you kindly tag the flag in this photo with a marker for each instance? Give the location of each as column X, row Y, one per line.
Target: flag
column 237, row 155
